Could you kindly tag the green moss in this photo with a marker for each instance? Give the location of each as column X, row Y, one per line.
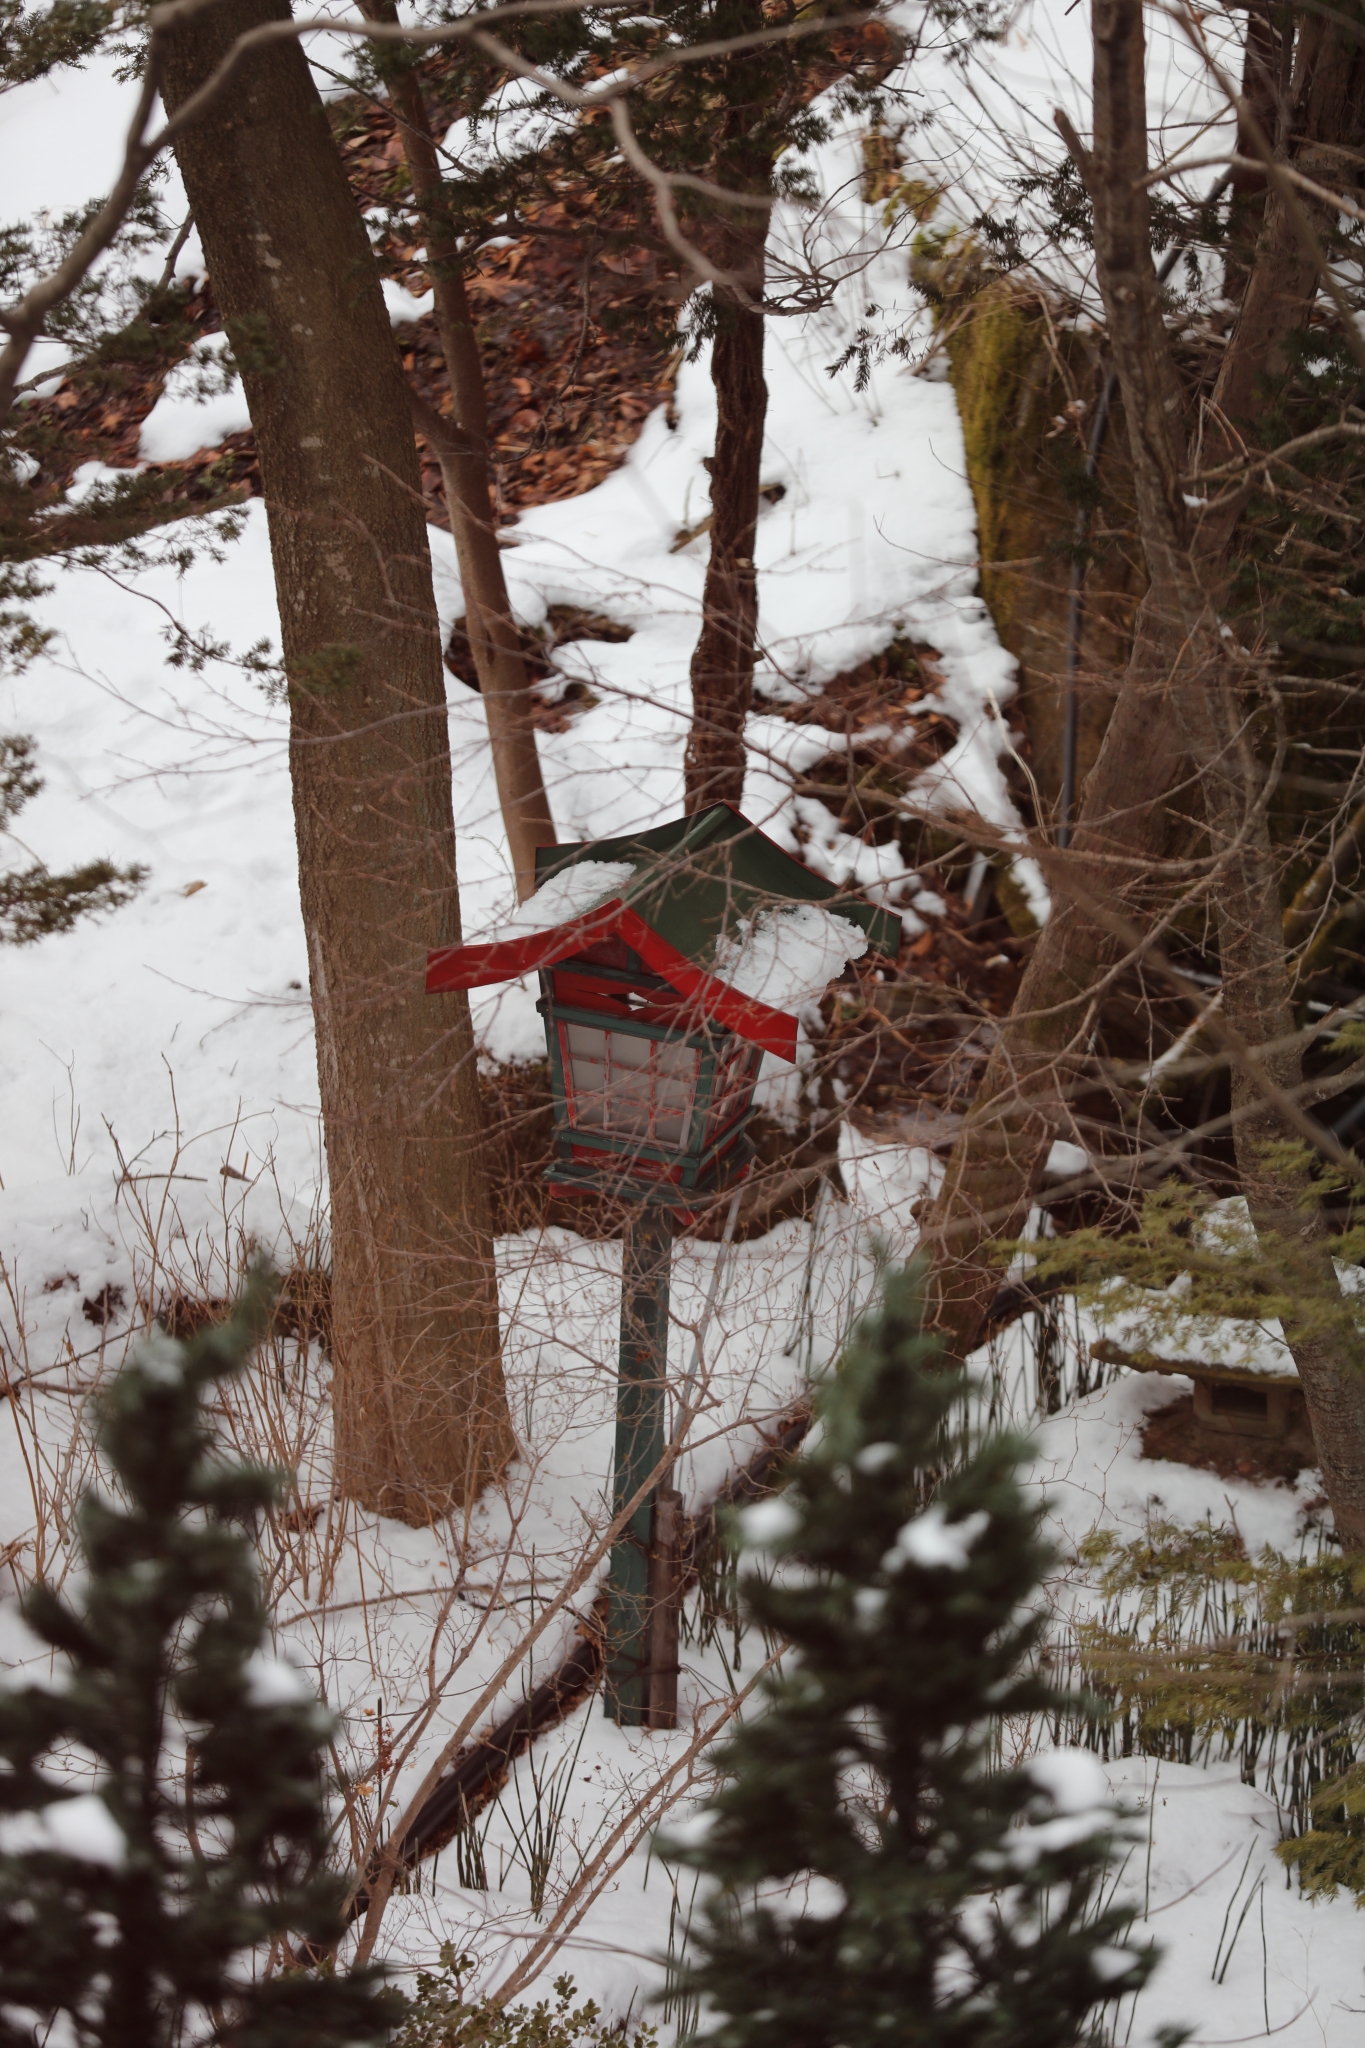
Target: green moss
column 1026, row 380
column 1013, row 900
column 995, row 357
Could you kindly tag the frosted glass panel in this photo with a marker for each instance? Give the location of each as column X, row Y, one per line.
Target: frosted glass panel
column 628, row 1086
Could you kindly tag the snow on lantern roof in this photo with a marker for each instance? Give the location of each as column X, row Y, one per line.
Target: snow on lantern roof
column 708, row 903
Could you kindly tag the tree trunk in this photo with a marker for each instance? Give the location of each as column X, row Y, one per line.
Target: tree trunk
column 1246, row 211
column 997, row 1162
column 463, row 455
column 1326, row 125
column 420, row 1410
column 723, row 662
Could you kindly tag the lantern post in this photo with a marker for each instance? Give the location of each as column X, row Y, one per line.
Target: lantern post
column 633, row 1679
column 654, row 1030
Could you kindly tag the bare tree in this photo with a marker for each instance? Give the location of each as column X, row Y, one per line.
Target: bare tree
column 723, row 660
column 420, row 1412
column 1188, row 729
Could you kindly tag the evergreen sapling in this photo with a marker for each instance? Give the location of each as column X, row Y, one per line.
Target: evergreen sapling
column 877, row 1875
column 139, row 1902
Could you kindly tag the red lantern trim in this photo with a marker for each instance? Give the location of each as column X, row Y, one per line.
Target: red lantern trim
column 508, row 959
column 456, row 967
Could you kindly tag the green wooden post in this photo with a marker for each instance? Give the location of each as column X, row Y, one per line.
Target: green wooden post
column 640, row 1413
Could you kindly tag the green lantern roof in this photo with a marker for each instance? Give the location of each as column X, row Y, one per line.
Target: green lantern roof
column 696, row 878
column 707, row 902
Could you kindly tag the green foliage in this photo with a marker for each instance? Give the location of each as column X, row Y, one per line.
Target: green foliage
column 36, row 42
column 22, row 639
column 108, row 298
column 19, row 779
column 1192, row 1265
column 1330, row 1856
column 1202, row 1653
column 440, row 2017
column 952, row 1901
column 34, row 902
column 120, row 329
column 143, row 1904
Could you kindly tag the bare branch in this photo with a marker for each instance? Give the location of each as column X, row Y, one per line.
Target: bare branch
column 24, row 321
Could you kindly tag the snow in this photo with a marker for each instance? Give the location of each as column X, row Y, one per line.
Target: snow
column 1036, row 1839
column 186, row 418
column 275, row 1682
column 809, row 1895
column 1161, row 1323
column 161, row 1360
column 1109, row 1964
column 1204, row 1849
column 1072, row 1779
column 403, row 305
column 510, row 126
column 934, row 1542
column 982, row 125
column 769, row 1524
column 1088, row 1466
column 571, row 893
column 82, row 1826
column 151, row 1058
column 787, row 958
column 692, row 1832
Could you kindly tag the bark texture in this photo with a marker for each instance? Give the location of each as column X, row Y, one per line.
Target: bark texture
column 723, row 661
column 1261, row 81
column 1321, row 129
column 420, row 1410
column 996, row 1166
column 997, row 1163
column 461, row 447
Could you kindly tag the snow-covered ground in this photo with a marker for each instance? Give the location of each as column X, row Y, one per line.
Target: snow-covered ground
column 160, row 1103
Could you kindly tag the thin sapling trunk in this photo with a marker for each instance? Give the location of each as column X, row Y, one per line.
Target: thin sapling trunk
column 723, row 661
column 461, row 448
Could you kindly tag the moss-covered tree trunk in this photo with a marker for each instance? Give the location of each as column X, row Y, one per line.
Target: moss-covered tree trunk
column 420, row 1411
column 1016, row 368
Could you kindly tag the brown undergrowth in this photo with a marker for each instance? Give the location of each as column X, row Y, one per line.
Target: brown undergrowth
column 883, row 712
column 572, row 371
